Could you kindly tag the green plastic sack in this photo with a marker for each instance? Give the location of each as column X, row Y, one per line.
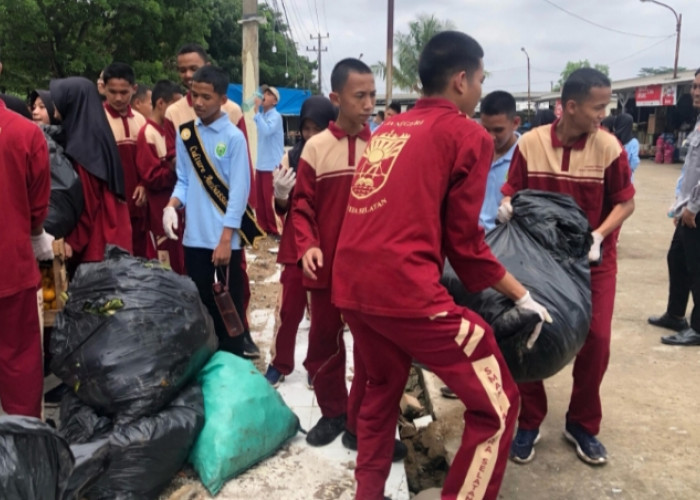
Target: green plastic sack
column 245, row 420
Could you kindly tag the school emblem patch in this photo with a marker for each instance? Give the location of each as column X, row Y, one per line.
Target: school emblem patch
column 376, row 164
column 185, row 134
column 220, row 149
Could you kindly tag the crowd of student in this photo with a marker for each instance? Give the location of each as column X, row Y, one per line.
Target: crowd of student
column 367, row 221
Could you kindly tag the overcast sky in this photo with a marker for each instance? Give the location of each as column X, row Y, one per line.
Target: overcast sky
column 550, row 36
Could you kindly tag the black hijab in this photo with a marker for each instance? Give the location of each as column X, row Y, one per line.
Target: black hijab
column 319, row 110
column 89, row 138
column 45, row 96
column 16, row 104
column 622, row 127
column 609, row 123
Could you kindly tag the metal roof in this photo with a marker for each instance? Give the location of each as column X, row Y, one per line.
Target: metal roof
column 632, row 83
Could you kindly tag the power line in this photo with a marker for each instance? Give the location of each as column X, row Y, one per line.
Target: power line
column 319, row 51
column 600, row 25
column 642, row 50
column 317, row 20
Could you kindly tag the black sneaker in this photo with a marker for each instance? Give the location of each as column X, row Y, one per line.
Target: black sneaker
column 522, row 449
column 325, row 431
column 588, row 448
column 250, row 349
column 669, row 322
column 350, row 442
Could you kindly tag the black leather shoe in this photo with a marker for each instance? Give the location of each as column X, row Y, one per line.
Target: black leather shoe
column 686, row 337
column 326, row 430
column 668, row 321
column 400, row 451
column 250, row 349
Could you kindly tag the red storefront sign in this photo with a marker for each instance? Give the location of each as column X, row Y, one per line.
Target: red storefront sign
column 655, row 95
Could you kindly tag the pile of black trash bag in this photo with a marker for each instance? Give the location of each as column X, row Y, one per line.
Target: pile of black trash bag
column 129, row 345
column 66, row 202
column 545, row 246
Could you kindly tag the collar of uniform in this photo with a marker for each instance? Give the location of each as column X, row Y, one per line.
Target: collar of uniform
column 115, row 114
column 188, row 96
column 436, row 102
column 155, row 125
column 508, row 156
column 556, row 143
column 365, row 134
column 217, row 125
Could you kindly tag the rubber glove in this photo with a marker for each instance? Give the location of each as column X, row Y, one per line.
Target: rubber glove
column 505, row 212
column 527, row 302
column 594, row 253
column 283, row 181
column 170, row 222
column 42, row 246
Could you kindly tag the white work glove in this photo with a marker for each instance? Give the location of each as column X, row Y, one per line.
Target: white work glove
column 594, row 252
column 283, row 181
column 527, row 302
column 170, row 222
column 42, row 246
column 505, row 212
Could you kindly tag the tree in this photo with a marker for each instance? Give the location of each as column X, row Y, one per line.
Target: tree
column 408, row 48
column 283, row 68
column 45, row 39
column 572, row 66
column 651, row 71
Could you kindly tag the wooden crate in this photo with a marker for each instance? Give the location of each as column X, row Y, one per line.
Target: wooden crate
column 60, row 279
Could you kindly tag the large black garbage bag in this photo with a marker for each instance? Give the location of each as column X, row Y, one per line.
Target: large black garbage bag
column 66, row 202
column 545, row 246
column 143, row 456
column 35, row 461
column 91, row 462
column 131, row 336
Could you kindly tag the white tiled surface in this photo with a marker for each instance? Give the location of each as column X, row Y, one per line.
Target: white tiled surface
column 300, row 471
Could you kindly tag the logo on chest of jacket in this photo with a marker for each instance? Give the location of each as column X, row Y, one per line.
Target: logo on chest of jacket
column 220, row 149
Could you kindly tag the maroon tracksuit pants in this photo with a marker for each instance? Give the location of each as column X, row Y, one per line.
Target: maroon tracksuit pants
column 21, row 363
column 591, row 362
column 264, row 202
column 459, row 347
column 325, row 362
column 292, row 311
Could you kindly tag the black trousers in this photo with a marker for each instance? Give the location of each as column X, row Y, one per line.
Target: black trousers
column 684, row 272
column 201, row 269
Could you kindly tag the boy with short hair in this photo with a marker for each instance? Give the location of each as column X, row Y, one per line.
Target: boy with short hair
column 213, row 180
column 157, row 170
column 119, row 81
column 499, row 119
column 414, row 200
column 324, row 177
column 573, row 156
column 141, row 100
column 190, row 58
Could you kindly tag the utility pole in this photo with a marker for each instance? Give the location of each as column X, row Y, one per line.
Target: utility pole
column 529, row 117
column 389, row 52
column 679, row 18
column 251, row 72
column 318, row 54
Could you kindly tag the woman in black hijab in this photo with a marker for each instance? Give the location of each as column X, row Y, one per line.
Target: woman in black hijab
column 316, row 113
column 543, row 117
column 90, row 145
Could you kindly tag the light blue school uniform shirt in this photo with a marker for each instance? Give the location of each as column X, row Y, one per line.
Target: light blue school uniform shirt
column 270, row 139
column 495, row 180
column 226, row 147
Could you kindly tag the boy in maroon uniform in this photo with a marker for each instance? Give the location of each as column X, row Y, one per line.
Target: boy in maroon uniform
column 316, row 113
column 324, row 176
column 415, row 199
column 157, row 172
column 119, row 82
column 26, row 182
column 573, row 156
